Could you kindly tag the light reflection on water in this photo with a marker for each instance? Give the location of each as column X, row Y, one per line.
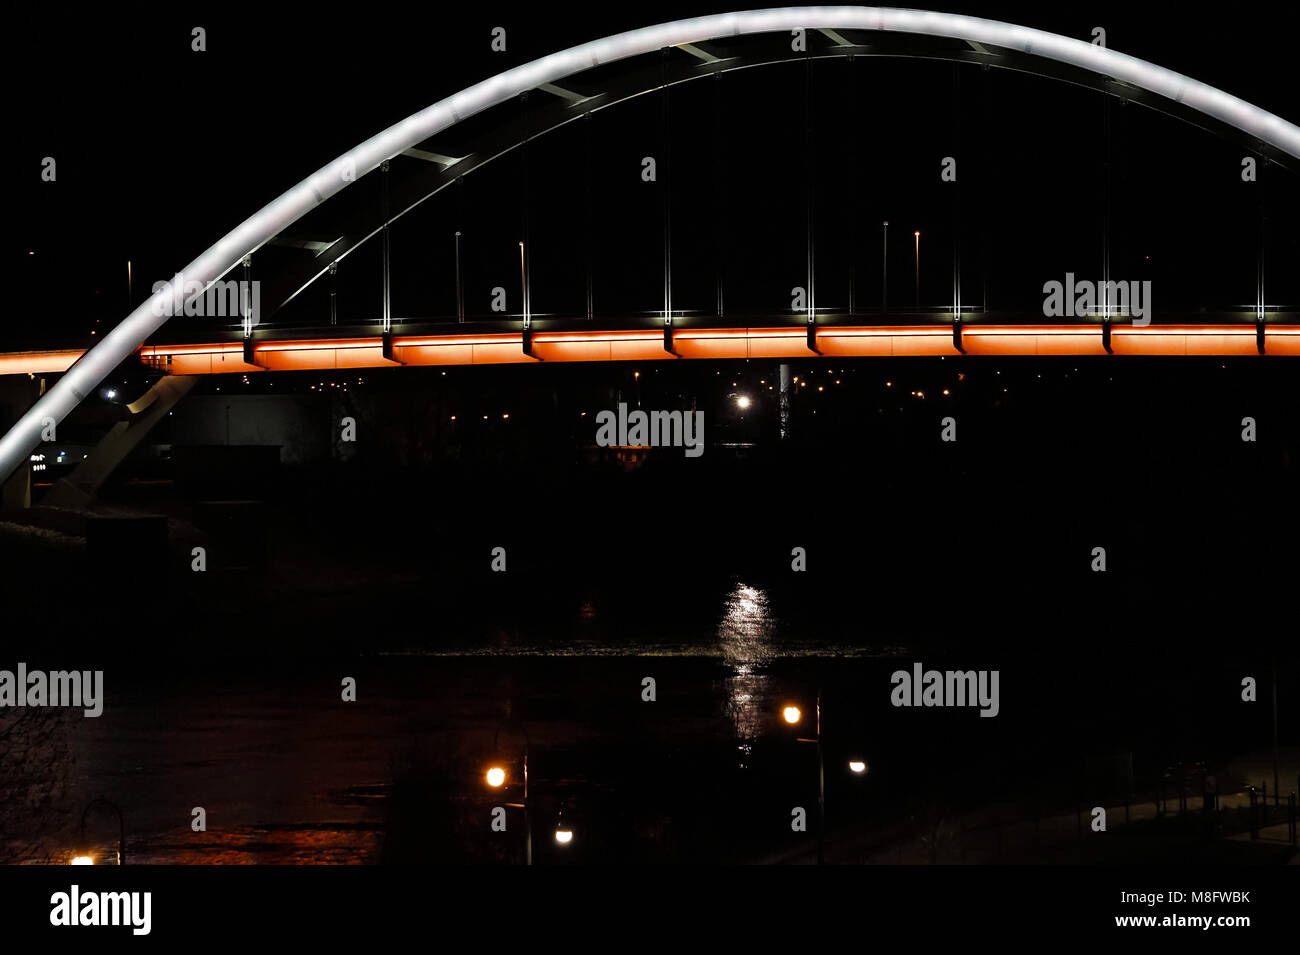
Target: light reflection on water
column 746, row 635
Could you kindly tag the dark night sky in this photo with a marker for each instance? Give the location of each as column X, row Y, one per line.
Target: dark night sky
column 161, row 151
column 144, row 130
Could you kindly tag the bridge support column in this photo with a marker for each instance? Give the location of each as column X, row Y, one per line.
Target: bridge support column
column 526, row 336
column 1260, row 256
column 666, row 196
column 1106, row 310
column 250, row 357
column 812, row 209
column 334, row 293
column 17, row 394
column 248, row 318
column 589, row 245
column 84, row 483
column 386, row 249
column 460, row 291
column 956, row 211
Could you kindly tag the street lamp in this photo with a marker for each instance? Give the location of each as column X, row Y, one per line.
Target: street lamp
column 792, row 715
column 857, row 766
column 496, row 778
column 84, row 855
column 884, row 271
column 917, row 234
column 563, row 834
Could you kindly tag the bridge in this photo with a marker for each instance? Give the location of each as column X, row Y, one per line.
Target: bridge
column 301, row 240
column 834, row 336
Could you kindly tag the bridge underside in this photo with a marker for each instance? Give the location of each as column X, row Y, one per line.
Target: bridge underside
column 642, row 344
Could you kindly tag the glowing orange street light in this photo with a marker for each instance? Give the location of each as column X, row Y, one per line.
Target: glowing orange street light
column 496, row 778
column 84, row 856
column 792, row 714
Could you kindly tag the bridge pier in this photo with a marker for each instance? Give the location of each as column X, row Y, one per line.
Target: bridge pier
column 81, row 487
column 17, row 394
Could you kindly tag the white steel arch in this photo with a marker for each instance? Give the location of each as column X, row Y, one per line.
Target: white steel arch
column 273, row 218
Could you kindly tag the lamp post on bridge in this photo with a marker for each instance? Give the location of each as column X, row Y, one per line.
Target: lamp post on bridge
column 917, row 233
column 527, row 304
column 884, row 271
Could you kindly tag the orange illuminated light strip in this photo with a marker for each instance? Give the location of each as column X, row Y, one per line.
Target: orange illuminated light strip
column 38, row 362
column 643, row 344
column 720, row 343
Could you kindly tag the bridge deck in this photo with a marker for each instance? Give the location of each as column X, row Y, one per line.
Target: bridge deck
column 647, row 344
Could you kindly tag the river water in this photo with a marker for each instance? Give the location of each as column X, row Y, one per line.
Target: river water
column 287, row 771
